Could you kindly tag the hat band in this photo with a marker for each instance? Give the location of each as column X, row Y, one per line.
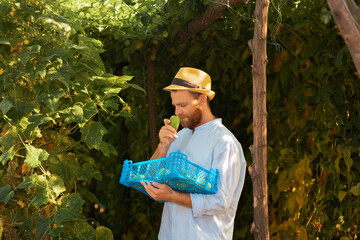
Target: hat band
column 184, row 83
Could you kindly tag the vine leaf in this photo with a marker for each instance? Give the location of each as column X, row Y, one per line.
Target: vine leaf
column 104, row 233
column 56, row 184
column 6, row 194
column 355, row 189
column 80, row 113
column 34, row 156
column 28, row 183
column 7, row 155
column 92, row 133
column 42, row 193
column 5, row 105
column 69, row 209
column 50, row 95
column 41, row 226
column 83, row 230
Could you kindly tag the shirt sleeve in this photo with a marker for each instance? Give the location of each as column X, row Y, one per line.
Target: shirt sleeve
column 229, row 159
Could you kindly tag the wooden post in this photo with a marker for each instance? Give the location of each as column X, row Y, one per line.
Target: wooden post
column 258, row 169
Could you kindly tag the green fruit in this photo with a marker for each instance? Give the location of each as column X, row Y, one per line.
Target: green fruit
column 175, row 121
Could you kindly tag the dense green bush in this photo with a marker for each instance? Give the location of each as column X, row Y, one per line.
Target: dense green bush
column 56, row 98
column 50, row 65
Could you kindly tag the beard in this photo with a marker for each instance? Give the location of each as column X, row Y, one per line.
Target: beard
column 192, row 120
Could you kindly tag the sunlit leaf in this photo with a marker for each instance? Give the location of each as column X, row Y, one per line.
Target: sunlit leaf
column 80, row 113
column 35, row 49
column 42, row 195
column 34, row 156
column 7, row 155
column 4, row 41
column 56, row 184
column 92, row 134
column 341, row 195
column 355, row 189
column 5, row 105
column 29, row 182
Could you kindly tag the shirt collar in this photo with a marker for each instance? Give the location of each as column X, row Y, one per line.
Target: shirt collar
column 207, row 125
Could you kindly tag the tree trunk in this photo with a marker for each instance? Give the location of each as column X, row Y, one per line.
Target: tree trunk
column 151, row 98
column 258, row 169
column 346, row 16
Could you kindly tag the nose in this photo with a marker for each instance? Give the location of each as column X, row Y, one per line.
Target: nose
column 177, row 111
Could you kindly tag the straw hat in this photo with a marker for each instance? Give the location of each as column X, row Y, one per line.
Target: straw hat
column 192, row 79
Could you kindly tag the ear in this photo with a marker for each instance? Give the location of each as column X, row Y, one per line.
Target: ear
column 203, row 98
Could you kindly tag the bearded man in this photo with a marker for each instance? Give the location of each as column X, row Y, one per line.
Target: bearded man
column 209, row 144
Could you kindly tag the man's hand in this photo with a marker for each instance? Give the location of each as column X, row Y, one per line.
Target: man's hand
column 158, row 191
column 162, row 192
column 167, row 135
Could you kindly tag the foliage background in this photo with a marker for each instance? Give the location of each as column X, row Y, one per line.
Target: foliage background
column 313, row 109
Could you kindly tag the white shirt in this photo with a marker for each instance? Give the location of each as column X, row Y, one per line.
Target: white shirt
column 211, row 145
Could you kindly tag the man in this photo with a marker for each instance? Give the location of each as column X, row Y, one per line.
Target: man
column 208, row 144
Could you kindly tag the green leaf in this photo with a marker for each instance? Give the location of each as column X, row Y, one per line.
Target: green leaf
column 27, row 228
column 137, row 87
column 87, row 172
column 50, row 95
column 92, row 134
column 4, row 41
column 84, row 231
column 355, row 189
column 57, row 231
column 6, row 193
column 57, row 185
column 74, row 203
column 62, row 215
column 283, row 182
column 37, row 120
column 42, row 192
column 35, row 49
column 80, row 113
column 108, row 149
column 104, row 233
column 42, row 225
column 24, row 56
column 341, row 195
column 34, row 156
column 29, row 182
column 111, row 80
column 90, row 196
column 5, row 105
column 64, row 169
column 21, row 109
column 7, row 155
column 9, row 139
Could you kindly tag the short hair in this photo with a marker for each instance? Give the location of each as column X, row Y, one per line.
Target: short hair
column 197, row 95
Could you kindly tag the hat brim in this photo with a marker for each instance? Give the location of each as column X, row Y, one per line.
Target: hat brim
column 209, row 93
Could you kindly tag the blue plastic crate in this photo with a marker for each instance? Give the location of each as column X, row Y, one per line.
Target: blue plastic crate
column 175, row 171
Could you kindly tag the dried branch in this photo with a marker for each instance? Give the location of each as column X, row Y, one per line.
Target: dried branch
column 204, row 21
column 346, row 15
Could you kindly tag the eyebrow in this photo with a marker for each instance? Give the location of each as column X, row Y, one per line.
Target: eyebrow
column 180, row 103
